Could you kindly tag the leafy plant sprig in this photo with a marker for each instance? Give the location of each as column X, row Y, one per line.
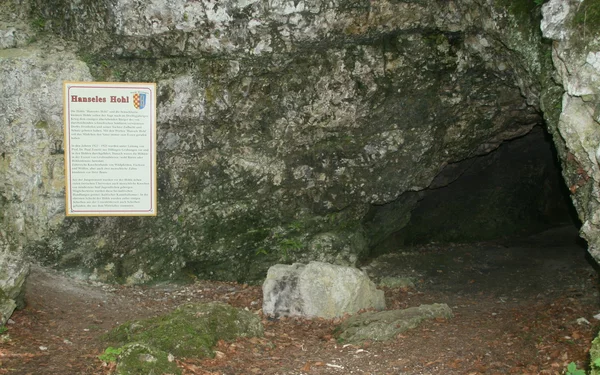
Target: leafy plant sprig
column 573, row 370
column 110, row 354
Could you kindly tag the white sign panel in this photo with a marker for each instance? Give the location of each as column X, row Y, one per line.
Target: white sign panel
column 110, row 148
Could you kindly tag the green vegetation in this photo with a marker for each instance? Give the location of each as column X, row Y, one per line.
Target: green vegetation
column 38, row 24
column 283, row 248
column 435, row 39
column 587, row 18
column 282, row 243
column 189, row 331
column 150, row 346
column 138, row 359
column 102, row 69
column 110, row 354
column 595, row 356
column 573, row 370
column 520, row 8
column 262, row 251
column 596, row 363
column 289, row 245
column 526, row 14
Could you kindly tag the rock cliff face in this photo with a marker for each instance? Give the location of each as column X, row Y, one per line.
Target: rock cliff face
column 287, row 130
column 574, row 29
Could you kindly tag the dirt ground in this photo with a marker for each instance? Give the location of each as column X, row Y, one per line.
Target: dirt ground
column 516, row 304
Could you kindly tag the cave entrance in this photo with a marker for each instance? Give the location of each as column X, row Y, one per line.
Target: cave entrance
column 500, row 223
column 513, row 191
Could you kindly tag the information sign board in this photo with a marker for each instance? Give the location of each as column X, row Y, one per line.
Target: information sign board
column 110, row 148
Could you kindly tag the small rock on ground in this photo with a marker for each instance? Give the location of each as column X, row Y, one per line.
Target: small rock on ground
column 385, row 325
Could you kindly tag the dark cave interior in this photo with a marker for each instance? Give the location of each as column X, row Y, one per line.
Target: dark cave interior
column 500, row 223
column 514, row 191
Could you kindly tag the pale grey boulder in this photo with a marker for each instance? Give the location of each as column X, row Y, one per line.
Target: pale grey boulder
column 385, row 325
column 318, row 290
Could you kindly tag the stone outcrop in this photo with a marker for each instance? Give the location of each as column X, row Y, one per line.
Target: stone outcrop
column 318, row 290
column 31, row 156
column 288, row 131
column 293, row 131
column 386, row 325
column 573, row 118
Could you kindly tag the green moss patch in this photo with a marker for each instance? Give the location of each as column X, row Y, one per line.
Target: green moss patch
column 189, row 331
column 41, row 125
column 140, row 359
column 527, row 13
column 588, row 16
column 595, row 357
column 520, row 8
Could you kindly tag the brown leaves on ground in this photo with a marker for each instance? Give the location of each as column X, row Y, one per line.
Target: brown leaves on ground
column 489, row 334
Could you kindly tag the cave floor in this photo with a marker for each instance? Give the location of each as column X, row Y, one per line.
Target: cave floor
column 516, row 304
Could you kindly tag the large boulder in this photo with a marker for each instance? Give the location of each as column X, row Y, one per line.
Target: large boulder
column 318, row 290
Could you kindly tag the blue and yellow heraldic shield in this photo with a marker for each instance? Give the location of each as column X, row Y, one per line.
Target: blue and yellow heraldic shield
column 139, row 100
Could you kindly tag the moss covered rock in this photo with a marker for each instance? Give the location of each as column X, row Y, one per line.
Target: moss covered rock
column 141, row 359
column 191, row 330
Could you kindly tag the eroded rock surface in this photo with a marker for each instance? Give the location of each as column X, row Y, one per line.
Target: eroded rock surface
column 31, row 159
column 574, row 27
column 287, row 131
column 318, row 290
column 386, row 325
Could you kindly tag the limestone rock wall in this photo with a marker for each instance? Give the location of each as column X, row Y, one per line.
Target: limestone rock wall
column 31, row 160
column 287, row 130
column 31, row 133
column 574, row 27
